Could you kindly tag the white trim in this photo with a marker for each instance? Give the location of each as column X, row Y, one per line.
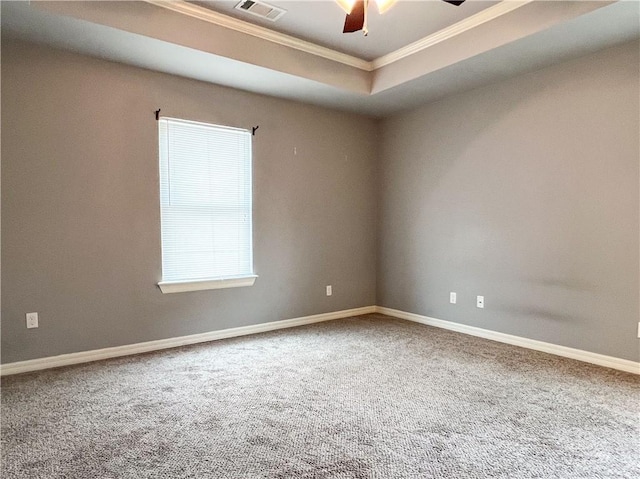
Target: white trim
column 462, row 26
column 200, row 285
column 201, row 13
column 564, row 351
column 263, row 33
column 106, row 353
column 130, row 349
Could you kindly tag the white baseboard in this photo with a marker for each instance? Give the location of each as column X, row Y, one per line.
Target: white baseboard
column 580, row 355
column 129, row 349
column 106, row 353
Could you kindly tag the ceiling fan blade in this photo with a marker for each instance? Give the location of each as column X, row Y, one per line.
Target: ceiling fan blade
column 457, row 3
column 355, row 19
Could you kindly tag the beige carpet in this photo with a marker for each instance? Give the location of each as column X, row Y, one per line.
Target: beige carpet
column 368, row 397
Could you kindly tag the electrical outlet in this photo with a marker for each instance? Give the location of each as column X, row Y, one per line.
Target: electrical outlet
column 32, row 320
column 329, row 290
column 480, row 302
column 452, row 298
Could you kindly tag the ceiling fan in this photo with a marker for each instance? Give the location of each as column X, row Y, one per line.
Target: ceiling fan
column 356, row 11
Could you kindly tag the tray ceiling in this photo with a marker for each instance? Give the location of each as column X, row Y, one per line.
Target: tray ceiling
column 307, row 58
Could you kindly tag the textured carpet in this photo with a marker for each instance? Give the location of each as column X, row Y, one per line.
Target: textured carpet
column 368, row 397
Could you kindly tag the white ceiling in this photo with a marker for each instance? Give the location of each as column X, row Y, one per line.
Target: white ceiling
column 321, row 22
column 379, row 76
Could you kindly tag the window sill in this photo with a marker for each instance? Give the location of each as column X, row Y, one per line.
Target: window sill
column 202, row 284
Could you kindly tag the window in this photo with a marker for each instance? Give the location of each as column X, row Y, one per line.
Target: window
column 205, row 206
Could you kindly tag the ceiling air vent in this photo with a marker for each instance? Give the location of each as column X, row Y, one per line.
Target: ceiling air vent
column 261, row 9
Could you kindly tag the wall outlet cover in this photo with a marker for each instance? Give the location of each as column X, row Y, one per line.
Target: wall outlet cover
column 32, row 320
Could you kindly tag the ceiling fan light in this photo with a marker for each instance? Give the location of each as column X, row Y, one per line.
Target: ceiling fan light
column 346, row 5
column 384, row 5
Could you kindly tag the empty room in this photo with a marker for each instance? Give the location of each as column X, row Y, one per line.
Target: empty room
column 320, row 239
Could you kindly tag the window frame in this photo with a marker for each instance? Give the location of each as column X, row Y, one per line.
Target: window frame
column 200, row 284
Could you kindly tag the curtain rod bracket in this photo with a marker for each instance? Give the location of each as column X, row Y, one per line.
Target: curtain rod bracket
column 253, row 130
column 157, row 112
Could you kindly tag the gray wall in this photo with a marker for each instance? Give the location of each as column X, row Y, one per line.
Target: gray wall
column 80, row 211
column 526, row 192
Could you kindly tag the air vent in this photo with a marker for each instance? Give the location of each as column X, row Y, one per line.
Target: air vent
column 261, row 9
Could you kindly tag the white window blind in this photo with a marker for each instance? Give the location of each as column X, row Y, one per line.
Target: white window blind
column 205, row 201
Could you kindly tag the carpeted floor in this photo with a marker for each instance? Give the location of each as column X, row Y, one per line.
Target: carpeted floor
column 368, row 397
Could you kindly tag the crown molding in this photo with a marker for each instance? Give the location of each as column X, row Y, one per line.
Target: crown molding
column 462, row 26
column 201, row 13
